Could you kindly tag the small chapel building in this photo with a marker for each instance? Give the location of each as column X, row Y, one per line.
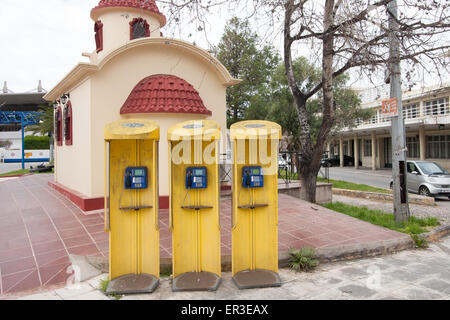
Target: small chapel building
column 134, row 72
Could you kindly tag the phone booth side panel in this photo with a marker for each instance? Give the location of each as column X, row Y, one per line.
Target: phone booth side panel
column 147, row 220
column 123, row 235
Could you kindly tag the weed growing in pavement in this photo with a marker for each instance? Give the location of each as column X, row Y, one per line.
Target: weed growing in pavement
column 303, row 259
column 104, row 285
column 420, row 242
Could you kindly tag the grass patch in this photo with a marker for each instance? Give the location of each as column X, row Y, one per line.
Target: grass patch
column 104, row 285
column 414, row 226
column 166, row 272
column 13, row 173
column 338, row 184
column 25, row 171
column 303, row 259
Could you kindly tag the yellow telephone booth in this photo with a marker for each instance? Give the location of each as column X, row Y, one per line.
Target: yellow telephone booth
column 195, row 205
column 131, row 205
column 255, row 204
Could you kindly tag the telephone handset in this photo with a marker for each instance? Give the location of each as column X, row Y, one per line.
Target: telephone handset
column 196, row 178
column 252, row 177
column 136, row 178
column 128, row 180
column 189, row 179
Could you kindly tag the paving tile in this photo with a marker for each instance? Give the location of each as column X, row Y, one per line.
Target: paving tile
column 46, row 247
column 93, row 295
column 100, row 236
column 86, row 250
column 14, row 253
column 74, row 290
column 44, row 296
column 103, row 246
column 20, row 281
column 52, row 258
column 96, row 228
column 45, row 237
column 71, row 233
column 54, row 274
column 18, row 265
column 301, row 233
column 11, row 244
column 77, row 241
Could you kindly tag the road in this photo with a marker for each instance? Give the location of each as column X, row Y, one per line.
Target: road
column 420, row 274
column 9, row 167
column 380, row 179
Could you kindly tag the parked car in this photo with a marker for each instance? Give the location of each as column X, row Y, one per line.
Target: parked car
column 427, row 179
column 336, row 161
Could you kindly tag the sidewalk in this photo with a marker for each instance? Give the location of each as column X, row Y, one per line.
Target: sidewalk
column 410, row 275
column 39, row 228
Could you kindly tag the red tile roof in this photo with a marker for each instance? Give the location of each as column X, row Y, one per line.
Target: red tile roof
column 147, row 5
column 164, row 94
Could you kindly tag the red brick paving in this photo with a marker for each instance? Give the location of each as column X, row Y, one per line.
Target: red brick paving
column 39, row 228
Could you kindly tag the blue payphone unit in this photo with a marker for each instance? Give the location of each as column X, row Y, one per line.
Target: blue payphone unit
column 252, row 177
column 136, row 178
column 196, row 178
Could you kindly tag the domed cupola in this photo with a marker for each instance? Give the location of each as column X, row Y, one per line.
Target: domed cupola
column 118, row 22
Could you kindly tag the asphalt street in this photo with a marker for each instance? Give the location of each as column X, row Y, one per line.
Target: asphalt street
column 9, row 167
column 379, row 178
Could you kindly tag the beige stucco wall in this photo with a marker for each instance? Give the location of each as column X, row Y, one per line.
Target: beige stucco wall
column 116, row 28
column 72, row 168
column 112, row 85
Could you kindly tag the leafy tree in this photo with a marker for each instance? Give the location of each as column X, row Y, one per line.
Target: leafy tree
column 46, row 126
column 284, row 112
column 344, row 35
column 238, row 51
column 37, row 143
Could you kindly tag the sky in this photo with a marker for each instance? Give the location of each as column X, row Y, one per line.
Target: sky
column 44, row 39
column 49, row 38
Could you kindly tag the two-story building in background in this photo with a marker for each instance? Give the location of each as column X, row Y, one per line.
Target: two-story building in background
column 426, row 113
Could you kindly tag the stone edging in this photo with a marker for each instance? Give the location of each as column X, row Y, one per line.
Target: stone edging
column 413, row 199
column 17, row 175
column 333, row 254
column 436, row 233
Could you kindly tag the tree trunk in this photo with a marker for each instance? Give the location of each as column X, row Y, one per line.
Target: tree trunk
column 309, row 169
column 311, row 152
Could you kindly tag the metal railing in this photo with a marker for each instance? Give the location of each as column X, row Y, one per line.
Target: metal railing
column 438, row 107
column 288, row 166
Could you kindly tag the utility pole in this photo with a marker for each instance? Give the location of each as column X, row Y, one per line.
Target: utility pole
column 399, row 169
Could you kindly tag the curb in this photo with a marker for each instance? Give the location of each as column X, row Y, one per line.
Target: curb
column 325, row 255
column 17, row 175
column 436, row 234
column 413, row 199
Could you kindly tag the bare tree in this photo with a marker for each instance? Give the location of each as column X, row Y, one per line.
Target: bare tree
column 341, row 35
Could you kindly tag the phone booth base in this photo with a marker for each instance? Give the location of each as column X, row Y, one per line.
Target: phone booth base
column 196, row 281
column 133, row 284
column 251, row 279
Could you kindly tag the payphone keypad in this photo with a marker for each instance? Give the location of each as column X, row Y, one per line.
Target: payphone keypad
column 252, row 177
column 196, row 178
column 136, row 178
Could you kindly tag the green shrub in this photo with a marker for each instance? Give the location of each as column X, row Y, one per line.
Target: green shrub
column 37, row 143
column 303, row 259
